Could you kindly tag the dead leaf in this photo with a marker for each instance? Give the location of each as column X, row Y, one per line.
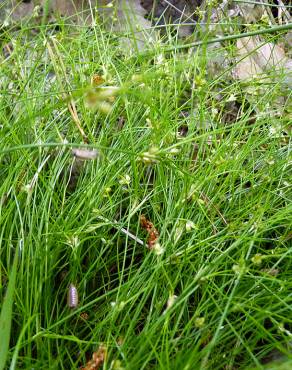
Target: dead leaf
column 85, row 154
column 180, row 13
column 21, row 10
column 283, row 13
column 271, row 271
column 120, row 123
column 257, row 58
column 288, row 75
column 251, row 13
column 77, row 11
column 127, row 17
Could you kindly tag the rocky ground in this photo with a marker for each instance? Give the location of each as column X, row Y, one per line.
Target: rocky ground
column 171, row 10
column 141, row 14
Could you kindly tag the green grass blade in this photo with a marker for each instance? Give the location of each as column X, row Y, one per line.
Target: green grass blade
column 283, row 27
column 13, row 363
column 6, row 315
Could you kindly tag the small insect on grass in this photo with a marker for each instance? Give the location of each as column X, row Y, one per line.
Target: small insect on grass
column 72, row 297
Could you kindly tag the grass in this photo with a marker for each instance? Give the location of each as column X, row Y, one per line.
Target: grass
column 216, row 292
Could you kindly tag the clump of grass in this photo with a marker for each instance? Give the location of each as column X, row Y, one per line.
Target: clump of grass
column 218, row 192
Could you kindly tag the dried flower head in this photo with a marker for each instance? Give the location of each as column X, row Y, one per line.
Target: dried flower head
column 257, row 259
column 153, row 234
column 149, row 157
column 84, row 316
column 101, row 98
column 239, row 269
column 97, row 80
column 125, row 180
column 171, row 301
column 158, row 249
column 98, row 358
column 190, row 226
column 118, row 305
column 199, row 322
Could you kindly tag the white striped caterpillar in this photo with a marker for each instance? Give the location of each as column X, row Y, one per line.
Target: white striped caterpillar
column 72, row 297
